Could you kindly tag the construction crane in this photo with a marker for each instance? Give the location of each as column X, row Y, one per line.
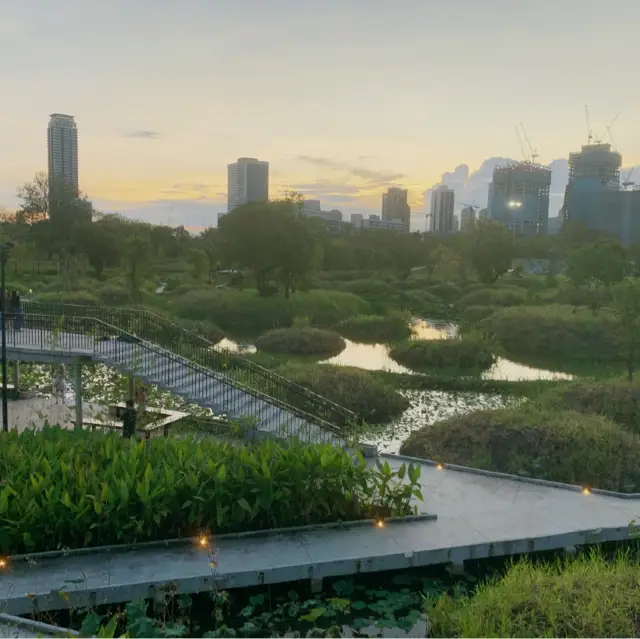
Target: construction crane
column 626, row 183
column 607, row 131
column 534, row 152
column 524, row 155
column 589, row 131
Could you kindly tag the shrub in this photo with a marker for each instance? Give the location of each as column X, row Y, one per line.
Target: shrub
column 368, row 288
column 473, row 314
column 301, row 341
column 616, row 399
column 510, row 296
column 563, row 446
column 448, row 293
column 561, row 599
column 81, row 298
column 461, row 354
column 114, row 295
column 208, row 330
column 247, row 312
column 559, row 332
column 68, row 489
column 360, row 392
column 376, row 328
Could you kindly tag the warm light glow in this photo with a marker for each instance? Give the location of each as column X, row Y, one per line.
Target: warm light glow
column 3, row 563
column 379, row 523
column 203, row 541
column 586, row 491
column 514, row 204
column 439, row 467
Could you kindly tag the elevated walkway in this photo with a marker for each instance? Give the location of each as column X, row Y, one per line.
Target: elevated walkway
column 478, row 516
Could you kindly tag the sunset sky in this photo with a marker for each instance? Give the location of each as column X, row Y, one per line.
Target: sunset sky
column 343, row 97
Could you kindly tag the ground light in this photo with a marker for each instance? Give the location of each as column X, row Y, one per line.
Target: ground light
column 439, row 467
column 379, row 523
column 586, row 490
column 3, row 563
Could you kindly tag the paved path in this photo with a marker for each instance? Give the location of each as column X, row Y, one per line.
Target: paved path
column 478, row 516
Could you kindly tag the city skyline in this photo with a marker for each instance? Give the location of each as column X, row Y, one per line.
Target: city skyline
column 159, row 124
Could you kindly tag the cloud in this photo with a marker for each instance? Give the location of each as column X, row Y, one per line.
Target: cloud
column 142, row 134
column 371, row 176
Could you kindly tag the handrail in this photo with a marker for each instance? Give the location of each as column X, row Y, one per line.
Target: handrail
column 333, row 411
column 69, row 325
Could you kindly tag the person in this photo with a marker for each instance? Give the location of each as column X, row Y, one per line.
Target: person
column 59, row 384
column 17, row 313
column 129, row 416
column 141, row 399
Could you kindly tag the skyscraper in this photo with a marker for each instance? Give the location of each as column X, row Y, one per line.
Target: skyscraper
column 62, row 138
column 442, row 204
column 395, row 206
column 247, row 181
column 519, row 197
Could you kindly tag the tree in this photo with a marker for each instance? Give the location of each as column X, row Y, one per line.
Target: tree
column 98, row 243
column 626, row 306
column 209, row 242
column 603, row 263
column 271, row 240
column 198, row 260
column 489, row 247
column 136, row 255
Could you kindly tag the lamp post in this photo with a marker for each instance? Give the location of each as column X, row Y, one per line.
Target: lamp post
column 514, row 205
column 4, row 253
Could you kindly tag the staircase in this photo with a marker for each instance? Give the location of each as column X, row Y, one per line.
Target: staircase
column 187, row 365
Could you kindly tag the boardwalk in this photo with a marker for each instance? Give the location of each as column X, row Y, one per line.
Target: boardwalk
column 477, row 516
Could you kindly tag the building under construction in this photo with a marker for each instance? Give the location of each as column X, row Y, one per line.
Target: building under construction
column 594, row 175
column 519, row 197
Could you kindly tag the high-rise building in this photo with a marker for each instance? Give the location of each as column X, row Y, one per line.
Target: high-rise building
column 247, row 181
column 519, row 197
column 467, row 218
column 441, row 219
column 62, row 138
column 594, row 174
column 395, row 206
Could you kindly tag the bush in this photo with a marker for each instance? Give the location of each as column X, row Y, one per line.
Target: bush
column 247, row 312
column 510, row 296
column 463, row 354
column 616, row 399
column 208, row 330
column 375, row 328
column 558, row 332
column 88, row 490
column 563, row 446
column 301, row 341
column 561, row 599
column 368, row 288
column 114, row 295
column 448, row 293
column 80, row 298
column 473, row 314
column 360, row 392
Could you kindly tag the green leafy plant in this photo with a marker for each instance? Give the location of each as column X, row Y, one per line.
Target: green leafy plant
column 469, row 353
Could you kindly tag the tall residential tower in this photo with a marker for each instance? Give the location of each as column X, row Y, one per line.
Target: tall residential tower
column 62, row 138
column 247, row 181
column 441, row 218
column 395, row 206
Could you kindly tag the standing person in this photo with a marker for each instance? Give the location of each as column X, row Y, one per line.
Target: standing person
column 129, row 416
column 59, row 384
column 141, row 399
column 17, row 310
column 9, row 304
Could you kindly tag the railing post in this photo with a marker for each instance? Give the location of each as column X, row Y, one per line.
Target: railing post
column 77, row 379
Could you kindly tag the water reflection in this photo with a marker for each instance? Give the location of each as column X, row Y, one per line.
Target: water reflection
column 371, row 357
column 505, row 369
column 235, row 347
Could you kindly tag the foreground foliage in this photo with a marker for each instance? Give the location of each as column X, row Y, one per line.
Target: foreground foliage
column 556, row 445
column 463, row 354
column 65, row 489
column 301, row 341
column 587, row 597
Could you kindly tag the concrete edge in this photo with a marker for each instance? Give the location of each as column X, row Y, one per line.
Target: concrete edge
column 497, row 475
column 198, row 541
column 36, row 627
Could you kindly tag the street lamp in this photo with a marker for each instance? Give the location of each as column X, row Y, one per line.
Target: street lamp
column 4, row 254
column 514, row 205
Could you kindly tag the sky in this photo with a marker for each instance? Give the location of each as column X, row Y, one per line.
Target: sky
column 343, row 98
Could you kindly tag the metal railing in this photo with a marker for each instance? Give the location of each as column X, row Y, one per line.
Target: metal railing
column 163, row 332
column 78, row 335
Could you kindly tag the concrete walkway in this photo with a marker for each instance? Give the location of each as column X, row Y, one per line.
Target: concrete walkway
column 478, row 516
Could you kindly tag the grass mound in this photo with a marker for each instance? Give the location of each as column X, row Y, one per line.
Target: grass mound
column 499, row 296
column 616, row 399
column 301, row 341
column 563, row 446
column 447, row 292
column 207, row 330
column 368, row 397
column 375, row 328
column 65, row 489
column 459, row 354
column 245, row 312
column 474, row 314
column 586, row 597
column 555, row 332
